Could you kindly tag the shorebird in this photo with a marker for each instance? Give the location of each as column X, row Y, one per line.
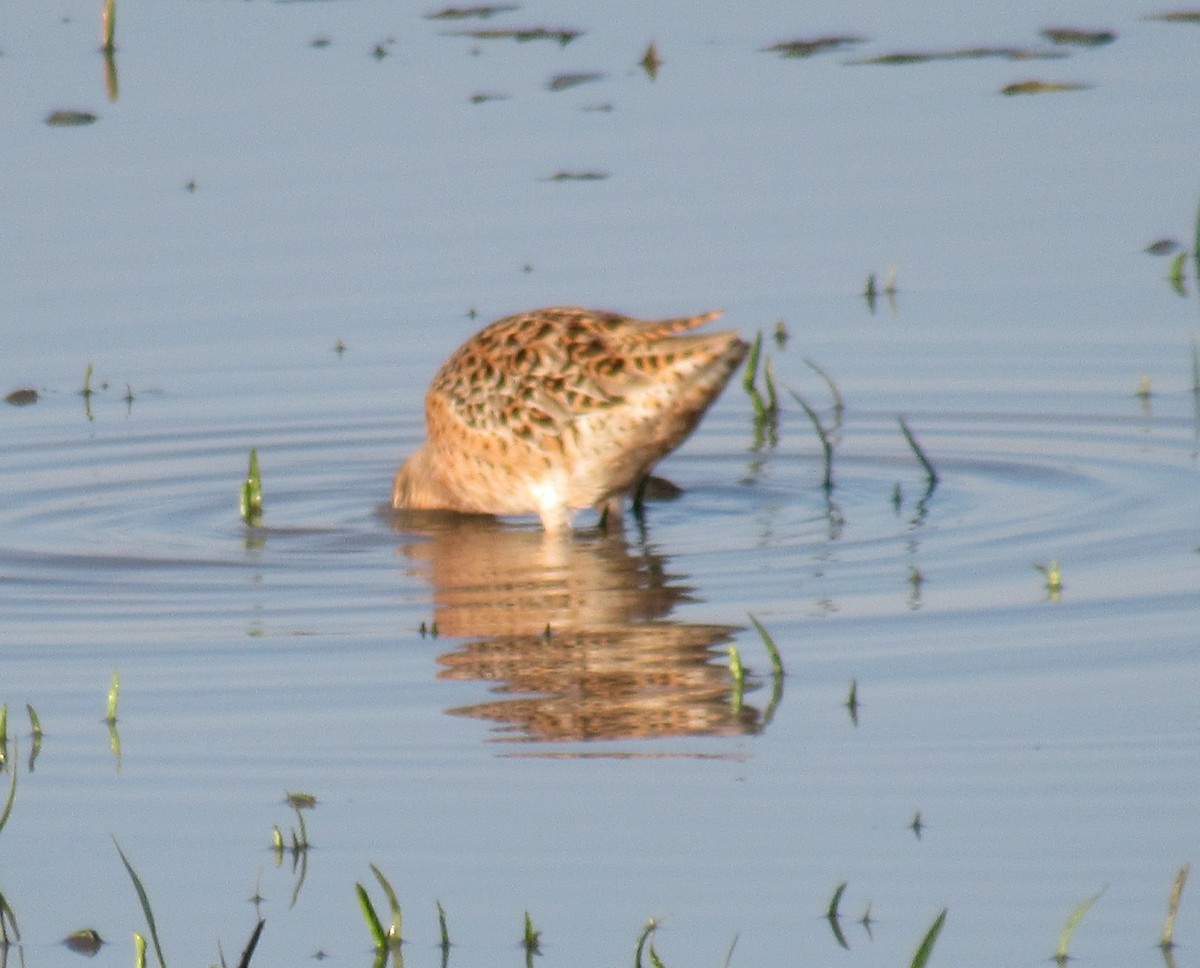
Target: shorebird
column 555, row 410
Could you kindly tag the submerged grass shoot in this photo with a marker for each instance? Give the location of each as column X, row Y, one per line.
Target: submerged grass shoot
column 251, row 504
column 1064, row 939
column 925, row 949
column 823, row 436
column 114, row 689
column 1168, row 932
column 442, row 929
column 930, row 474
column 144, row 899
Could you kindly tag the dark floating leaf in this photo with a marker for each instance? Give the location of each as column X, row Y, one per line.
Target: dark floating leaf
column 86, row 941
column 66, row 119
column 320, row 42
column 815, row 45
column 1163, row 247
column 963, row 53
column 563, row 35
column 23, row 397
column 1177, row 16
column 1078, row 38
column 1042, row 87
column 464, row 13
column 562, row 176
column 561, row 82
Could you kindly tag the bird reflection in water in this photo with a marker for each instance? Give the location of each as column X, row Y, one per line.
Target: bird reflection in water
column 574, row 635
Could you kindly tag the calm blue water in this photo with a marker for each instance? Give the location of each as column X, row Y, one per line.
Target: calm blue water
column 604, row 775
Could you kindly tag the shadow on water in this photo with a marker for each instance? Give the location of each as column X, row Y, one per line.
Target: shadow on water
column 573, row 635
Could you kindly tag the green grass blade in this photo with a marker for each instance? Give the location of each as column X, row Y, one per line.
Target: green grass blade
column 834, row 901
column 1168, row 932
column 252, row 496
column 655, row 960
column 1060, row 955
column 750, row 373
column 930, row 473
column 378, row 935
column 7, row 920
column 532, row 939
column 651, row 925
column 839, row 405
column 139, row 951
column 442, row 926
column 3, row 732
column 114, row 689
column 926, row 946
column 729, row 953
column 108, row 26
column 248, row 951
column 145, row 902
column 769, row 642
column 35, row 724
column 12, row 789
column 826, row 443
column 394, row 929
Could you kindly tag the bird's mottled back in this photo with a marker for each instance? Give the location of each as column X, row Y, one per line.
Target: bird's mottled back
column 558, row 409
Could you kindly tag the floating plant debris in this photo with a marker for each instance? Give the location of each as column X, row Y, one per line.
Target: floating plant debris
column 320, row 42
column 465, row 13
column 815, row 45
column 1163, row 247
column 561, row 176
column 1078, row 38
column 561, row 82
column 1177, row 16
column 86, row 941
column 1042, row 87
column 963, row 53
column 482, row 97
column 66, row 119
column 650, row 61
column 563, row 35
column 23, row 397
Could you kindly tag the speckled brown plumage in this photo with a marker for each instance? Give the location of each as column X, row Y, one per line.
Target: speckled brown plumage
column 554, row 410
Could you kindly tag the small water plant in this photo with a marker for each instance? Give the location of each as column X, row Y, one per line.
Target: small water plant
column 442, row 929
column 251, row 504
column 1053, row 575
column 108, row 26
column 1167, row 941
column 737, row 672
column 851, row 701
column 766, row 408
column 931, row 474
column 833, row 915
column 144, row 900
column 925, row 949
column 114, row 690
column 531, row 940
column 825, row 439
column 1064, row 939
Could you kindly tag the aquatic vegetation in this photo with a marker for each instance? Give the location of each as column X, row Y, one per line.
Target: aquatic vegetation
column 1036, row 86
column 70, row 118
column 824, row 437
column 1176, row 17
column 563, row 35
column 871, row 290
column 114, row 690
column 108, row 26
column 772, row 649
column 917, row 825
column 815, row 45
column 442, row 929
column 851, row 701
column 1074, row 36
column 531, row 940
column 1162, row 247
column 1064, row 939
column 650, row 61
column 833, row 916
column 962, row 53
column 931, row 474
column 1167, row 940
column 921, row 958
column 144, row 900
column 1053, row 575
column 563, row 82
column 1175, row 274
column 384, row 939
column 482, row 11
column 251, row 504
column 839, row 404
column 563, row 175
